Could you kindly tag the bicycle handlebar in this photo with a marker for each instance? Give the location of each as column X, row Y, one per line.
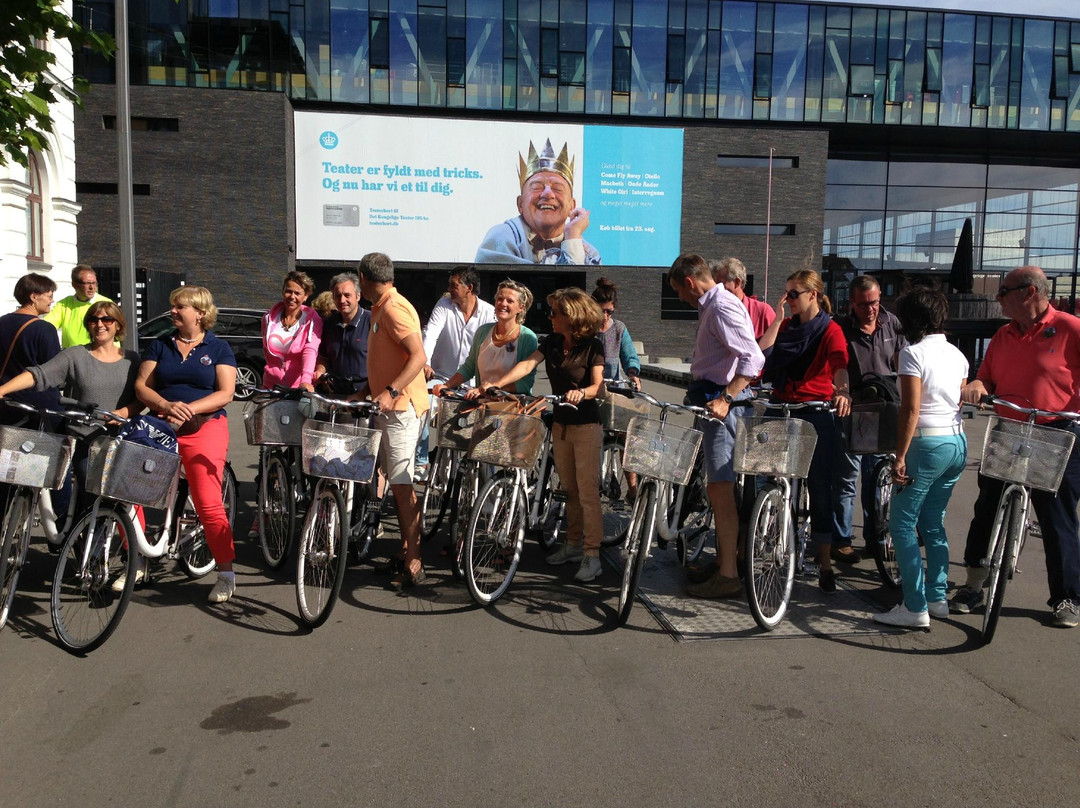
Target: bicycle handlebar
column 789, row 406
column 366, row 408
column 1033, row 411
column 277, row 391
column 78, row 411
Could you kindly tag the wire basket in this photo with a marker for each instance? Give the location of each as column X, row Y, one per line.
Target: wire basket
column 131, row 472
column 33, row 458
column 777, row 447
column 616, row 411
column 340, row 451
column 273, row 422
column 1028, row 454
column 662, row 451
column 456, row 420
column 508, row 439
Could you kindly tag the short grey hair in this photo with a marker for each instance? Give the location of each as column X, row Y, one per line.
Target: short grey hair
column 346, row 277
column 1037, row 278
column 863, row 283
column 732, row 267
column 377, row 268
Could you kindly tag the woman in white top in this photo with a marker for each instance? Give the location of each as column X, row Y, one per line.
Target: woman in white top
column 931, row 451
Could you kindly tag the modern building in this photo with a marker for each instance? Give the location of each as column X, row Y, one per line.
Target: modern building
column 851, row 137
column 38, row 208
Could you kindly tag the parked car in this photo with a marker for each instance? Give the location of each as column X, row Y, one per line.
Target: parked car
column 241, row 328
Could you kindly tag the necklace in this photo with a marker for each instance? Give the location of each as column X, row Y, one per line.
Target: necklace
column 188, row 341
column 495, row 338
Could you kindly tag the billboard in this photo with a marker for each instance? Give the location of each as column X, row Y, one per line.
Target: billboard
column 430, row 190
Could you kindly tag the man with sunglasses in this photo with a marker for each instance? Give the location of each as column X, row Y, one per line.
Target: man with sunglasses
column 874, row 342
column 67, row 315
column 1034, row 360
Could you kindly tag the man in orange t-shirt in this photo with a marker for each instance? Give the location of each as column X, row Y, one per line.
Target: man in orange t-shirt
column 395, row 364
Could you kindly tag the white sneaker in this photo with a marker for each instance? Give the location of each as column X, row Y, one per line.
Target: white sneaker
column 589, row 570
column 938, row 609
column 121, row 580
column 223, row 589
column 900, row 616
column 566, row 553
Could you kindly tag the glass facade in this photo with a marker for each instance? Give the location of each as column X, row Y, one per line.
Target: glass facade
column 688, row 59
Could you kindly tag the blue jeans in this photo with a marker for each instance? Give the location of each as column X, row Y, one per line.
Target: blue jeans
column 935, row 464
column 848, row 467
column 820, row 481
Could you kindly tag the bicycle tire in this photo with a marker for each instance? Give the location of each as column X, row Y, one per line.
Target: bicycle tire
column 194, row 554
column 277, row 511
column 638, row 544
column 493, row 542
column 1004, row 536
column 467, row 488
column 884, row 552
column 17, row 522
column 436, row 495
column 616, row 513
column 696, row 517
column 769, row 559
column 322, row 556
column 84, row 608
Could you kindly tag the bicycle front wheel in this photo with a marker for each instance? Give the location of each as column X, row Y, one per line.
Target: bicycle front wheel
column 16, row 534
column 436, row 495
column 769, row 558
column 884, row 552
column 85, row 607
column 277, row 514
column 493, row 542
column 638, row 544
column 616, row 512
column 1005, row 538
column 322, row 556
column 697, row 516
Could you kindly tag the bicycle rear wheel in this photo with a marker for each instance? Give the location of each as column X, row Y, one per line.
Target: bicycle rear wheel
column 696, row 517
column 85, row 609
column 1005, row 537
column 467, row 487
column 884, row 553
column 16, row 536
column 616, row 511
column 638, row 544
column 277, row 514
column 436, row 495
column 493, row 543
column 196, row 560
column 322, row 556
column 769, row 558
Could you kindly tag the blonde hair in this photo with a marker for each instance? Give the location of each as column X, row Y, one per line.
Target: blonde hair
column 109, row 309
column 812, row 281
column 200, row 299
column 525, row 297
column 580, row 309
column 323, row 303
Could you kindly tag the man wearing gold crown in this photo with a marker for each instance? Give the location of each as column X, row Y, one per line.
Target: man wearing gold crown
column 550, row 225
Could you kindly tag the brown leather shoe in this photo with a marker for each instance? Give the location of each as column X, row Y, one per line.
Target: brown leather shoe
column 845, row 555
column 718, row 586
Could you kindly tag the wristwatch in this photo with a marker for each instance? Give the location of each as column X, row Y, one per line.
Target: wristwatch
column 394, row 393
column 727, row 397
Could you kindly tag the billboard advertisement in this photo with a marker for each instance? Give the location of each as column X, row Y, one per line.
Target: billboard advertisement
column 458, row 191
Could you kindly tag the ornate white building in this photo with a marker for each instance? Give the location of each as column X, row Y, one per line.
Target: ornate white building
column 38, row 212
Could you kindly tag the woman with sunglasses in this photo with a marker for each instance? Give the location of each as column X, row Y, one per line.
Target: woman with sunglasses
column 808, row 362
column 100, row 373
column 620, row 356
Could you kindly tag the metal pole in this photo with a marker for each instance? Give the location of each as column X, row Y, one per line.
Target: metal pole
column 123, row 145
column 768, row 229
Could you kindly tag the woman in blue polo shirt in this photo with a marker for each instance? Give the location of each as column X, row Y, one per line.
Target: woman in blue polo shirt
column 188, row 377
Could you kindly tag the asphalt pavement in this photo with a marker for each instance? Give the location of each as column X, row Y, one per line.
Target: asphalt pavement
column 421, row 698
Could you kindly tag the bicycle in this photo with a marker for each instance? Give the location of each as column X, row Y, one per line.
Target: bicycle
column 663, row 456
column 616, row 410
column 273, row 421
column 780, row 448
column 32, row 461
column 98, row 551
column 884, row 552
column 345, row 502
column 1024, row 455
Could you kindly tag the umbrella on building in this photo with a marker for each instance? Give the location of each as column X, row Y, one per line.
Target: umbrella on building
column 962, row 276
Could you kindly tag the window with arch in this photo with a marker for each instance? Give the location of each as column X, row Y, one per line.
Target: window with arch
column 35, row 212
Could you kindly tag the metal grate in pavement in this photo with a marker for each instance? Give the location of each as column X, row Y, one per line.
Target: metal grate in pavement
column 662, row 590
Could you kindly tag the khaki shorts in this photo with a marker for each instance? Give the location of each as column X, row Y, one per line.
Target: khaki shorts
column 397, row 451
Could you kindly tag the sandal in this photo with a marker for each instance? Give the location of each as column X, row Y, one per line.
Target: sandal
column 406, row 579
column 394, row 564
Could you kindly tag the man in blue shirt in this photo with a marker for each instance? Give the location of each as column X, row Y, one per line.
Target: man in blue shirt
column 343, row 350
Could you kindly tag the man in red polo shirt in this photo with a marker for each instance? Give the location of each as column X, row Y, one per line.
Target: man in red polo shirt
column 731, row 274
column 1033, row 361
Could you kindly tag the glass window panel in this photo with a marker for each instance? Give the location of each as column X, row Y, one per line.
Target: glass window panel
column 914, row 66
column 649, row 46
column 957, row 55
column 549, row 52
column 863, row 35
column 1038, row 52
column 431, row 41
column 862, row 81
column 696, row 64
column 380, row 43
column 815, row 54
column 676, row 55
column 1040, row 177
column 528, row 48
column 912, row 198
column 598, row 57
column 403, row 67
column 857, row 172
column 855, row 197
column 764, row 28
column 762, row 75
column 483, row 42
column 933, row 70
column 967, row 175
column 571, row 22
column 572, row 69
column 838, row 17
column 789, row 63
column 737, row 60
column 835, row 78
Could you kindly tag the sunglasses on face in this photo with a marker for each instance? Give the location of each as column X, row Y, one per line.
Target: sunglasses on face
column 1004, row 290
column 106, row 320
column 609, row 312
column 793, row 294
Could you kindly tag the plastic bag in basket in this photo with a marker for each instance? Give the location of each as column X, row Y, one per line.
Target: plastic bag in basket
column 148, row 430
column 359, row 466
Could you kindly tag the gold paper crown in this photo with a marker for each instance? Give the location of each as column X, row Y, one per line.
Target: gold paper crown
column 546, row 161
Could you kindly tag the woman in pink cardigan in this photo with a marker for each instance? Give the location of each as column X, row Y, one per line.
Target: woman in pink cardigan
column 291, row 335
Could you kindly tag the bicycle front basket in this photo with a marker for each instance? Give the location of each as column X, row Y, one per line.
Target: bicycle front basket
column 662, row 451
column 132, row 472
column 33, row 458
column 1028, row 454
column 273, row 422
column 508, row 439
column 778, row 447
column 340, row 451
column 456, row 420
column 616, row 411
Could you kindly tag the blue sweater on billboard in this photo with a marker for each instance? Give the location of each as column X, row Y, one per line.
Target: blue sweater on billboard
column 508, row 243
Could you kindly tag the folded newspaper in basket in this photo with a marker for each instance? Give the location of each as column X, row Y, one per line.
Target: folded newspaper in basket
column 33, row 458
column 141, row 465
column 359, row 465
